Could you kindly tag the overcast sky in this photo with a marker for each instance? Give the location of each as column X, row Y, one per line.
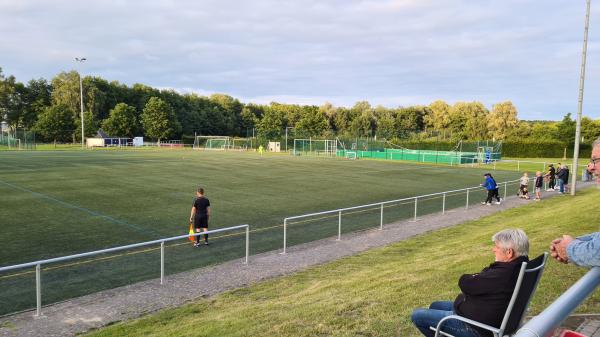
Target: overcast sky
column 389, row 52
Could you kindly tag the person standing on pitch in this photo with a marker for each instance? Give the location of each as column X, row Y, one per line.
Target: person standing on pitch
column 200, row 214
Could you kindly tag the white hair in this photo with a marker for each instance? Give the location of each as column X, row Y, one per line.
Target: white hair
column 596, row 142
column 514, row 239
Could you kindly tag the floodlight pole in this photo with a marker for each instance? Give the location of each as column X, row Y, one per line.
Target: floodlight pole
column 580, row 103
column 286, row 137
column 81, row 60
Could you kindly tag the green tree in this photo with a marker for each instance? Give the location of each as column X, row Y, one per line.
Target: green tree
column 439, row 119
column 121, row 121
column 468, row 120
column 502, row 119
column 159, row 120
column 271, row 124
column 590, row 129
column 566, row 129
column 313, row 122
column 89, row 124
column 55, row 123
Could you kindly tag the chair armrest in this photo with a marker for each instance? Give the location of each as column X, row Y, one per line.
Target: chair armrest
column 437, row 330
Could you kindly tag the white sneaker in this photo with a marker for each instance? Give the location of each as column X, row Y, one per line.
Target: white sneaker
column 497, row 203
column 488, row 204
column 484, row 203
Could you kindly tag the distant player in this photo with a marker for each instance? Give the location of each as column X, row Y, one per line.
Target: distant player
column 261, row 149
column 199, row 215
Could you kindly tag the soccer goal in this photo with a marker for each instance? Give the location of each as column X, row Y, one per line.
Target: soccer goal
column 212, row 142
column 316, row 147
column 19, row 139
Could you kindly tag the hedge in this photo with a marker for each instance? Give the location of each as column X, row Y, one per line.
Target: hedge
column 542, row 149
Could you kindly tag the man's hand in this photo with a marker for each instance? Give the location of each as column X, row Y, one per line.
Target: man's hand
column 558, row 248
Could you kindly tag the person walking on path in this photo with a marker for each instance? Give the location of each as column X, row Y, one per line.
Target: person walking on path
column 200, row 214
column 490, row 186
column 496, row 192
column 551, row 175
column 566, row 178
column 539, row 182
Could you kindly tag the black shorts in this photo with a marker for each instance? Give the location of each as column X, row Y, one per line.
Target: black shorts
column 200, row 222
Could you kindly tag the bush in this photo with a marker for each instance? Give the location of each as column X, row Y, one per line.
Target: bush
column 542, row 149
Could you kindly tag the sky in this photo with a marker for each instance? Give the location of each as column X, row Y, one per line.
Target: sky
column 388, row 52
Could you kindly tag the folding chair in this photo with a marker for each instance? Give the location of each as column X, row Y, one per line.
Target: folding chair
column 529, row 276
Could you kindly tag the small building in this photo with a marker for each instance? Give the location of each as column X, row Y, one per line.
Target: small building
column 104, row 140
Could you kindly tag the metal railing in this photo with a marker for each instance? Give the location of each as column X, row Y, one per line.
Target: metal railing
column 415, row 200
column 549, row 319
column 38, row 264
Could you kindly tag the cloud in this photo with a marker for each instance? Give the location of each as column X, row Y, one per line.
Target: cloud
column 396, row 52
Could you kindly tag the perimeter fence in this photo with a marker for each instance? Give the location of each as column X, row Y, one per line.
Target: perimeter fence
column 344, row 220
column 80, row 274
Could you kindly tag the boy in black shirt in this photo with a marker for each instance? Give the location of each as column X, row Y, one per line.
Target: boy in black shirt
column 200, row 214
column 539, row 181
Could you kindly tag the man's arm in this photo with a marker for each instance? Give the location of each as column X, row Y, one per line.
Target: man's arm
column 192, row 213
column 585, row 250
column 480, row 283
column 208, row 212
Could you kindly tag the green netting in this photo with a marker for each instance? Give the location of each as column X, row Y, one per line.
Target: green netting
column 425, row 156
column 18, row 140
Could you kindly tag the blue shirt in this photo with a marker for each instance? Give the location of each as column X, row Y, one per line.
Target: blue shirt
column 489, row 184
column 585, row 250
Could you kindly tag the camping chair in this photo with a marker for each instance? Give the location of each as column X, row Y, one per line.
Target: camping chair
column 527, row 282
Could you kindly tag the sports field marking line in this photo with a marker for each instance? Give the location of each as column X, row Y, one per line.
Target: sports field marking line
column 217, row 237
column 82, row 209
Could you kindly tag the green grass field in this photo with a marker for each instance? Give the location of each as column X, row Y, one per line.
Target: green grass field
column 56, row 203
column 373, row 294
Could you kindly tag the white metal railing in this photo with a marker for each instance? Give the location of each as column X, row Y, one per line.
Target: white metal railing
column 381, row 204
column 38, row 264
column 549, row 319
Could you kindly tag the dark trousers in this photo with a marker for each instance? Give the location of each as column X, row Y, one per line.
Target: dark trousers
column 551, row 183
column 496, row 195
column 490, row 195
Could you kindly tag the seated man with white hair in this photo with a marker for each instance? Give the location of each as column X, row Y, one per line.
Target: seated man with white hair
column 485, row 295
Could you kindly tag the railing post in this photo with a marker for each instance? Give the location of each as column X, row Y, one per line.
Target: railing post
column 162, row 262
column 284, row 235
column 38, row 289
column 495, row 161
column 467, row 206
column 381, row 218
column 505, row 187
column 339, row 226
column 444, row 204
column 247, row 243
column 416, row 208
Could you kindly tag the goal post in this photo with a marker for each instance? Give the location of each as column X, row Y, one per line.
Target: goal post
column 315, row 147
column 212, row 142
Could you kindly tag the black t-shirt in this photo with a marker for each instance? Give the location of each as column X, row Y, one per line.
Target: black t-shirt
column 539, row 181
column 552, row 172
column 201, row 205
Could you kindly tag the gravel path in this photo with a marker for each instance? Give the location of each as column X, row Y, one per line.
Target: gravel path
column 96, row 310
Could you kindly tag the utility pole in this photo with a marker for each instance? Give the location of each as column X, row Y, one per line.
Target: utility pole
column 580, row 103
column 81, row 60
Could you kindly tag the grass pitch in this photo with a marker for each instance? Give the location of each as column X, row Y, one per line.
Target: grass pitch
column 374, row 293
column 56, row 203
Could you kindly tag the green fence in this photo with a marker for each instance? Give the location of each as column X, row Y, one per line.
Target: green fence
column 423, row 156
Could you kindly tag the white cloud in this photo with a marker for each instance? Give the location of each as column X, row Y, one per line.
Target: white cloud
column 388, row 52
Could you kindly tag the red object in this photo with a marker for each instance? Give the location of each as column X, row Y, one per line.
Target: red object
column 569, row 333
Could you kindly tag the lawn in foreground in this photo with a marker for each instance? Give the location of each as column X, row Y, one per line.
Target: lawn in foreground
column 373, row 294
column 56, row 203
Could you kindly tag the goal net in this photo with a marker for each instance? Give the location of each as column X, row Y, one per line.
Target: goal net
column 212, row 142
column 19, row 139
column 315, row 147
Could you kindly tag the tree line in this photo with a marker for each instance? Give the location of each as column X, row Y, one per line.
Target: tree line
column 52, row 109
